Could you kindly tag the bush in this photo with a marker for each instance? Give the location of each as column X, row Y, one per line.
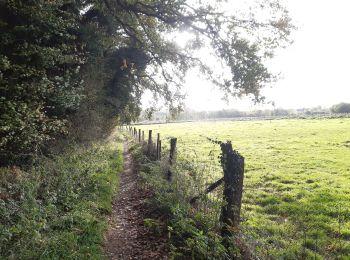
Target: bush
column 56, row 210
column 40, row 83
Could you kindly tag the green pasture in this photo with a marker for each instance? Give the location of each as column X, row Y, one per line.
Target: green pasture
column 296, row 201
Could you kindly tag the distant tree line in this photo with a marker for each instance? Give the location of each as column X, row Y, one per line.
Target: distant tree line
column 341, row 108
column 190, row 114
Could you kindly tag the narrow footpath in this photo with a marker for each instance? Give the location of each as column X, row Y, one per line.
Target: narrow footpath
column 127, row 237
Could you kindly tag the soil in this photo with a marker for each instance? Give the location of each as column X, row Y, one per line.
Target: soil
column 127, row 237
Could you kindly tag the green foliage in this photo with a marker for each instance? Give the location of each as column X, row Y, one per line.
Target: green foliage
column 40, row 58
column 57, row 209
column 123, row 90
column 193, row 232
column 341, row 108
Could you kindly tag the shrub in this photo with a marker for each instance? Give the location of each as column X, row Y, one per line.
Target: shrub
column 56, row 210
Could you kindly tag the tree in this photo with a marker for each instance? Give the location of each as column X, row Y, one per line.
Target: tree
column 341, row 108
column 40, row 58
column 240, row 43
column 48, row 47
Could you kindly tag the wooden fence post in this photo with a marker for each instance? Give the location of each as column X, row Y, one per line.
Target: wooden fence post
column 172, row 156
column 139, row 135
column 160, row 150
column 149, row 147
column 233, row 166
column 143, row 136
column 157, row 150
column 135, row 133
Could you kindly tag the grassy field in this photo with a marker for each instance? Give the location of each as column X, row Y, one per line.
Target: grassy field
column 296, row 201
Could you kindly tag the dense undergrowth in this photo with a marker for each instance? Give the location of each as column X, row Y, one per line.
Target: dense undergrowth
column 56, row 209
column 193, row 230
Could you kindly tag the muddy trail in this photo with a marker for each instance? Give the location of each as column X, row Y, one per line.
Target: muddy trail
column 127, row 237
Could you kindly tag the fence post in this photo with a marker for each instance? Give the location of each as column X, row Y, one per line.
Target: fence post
column 233, row 165
column 160, row 150
column 157, row 150
column 171, row 156
column 143, row 136
column 149, row 147
column 135, row 133
column 139, row 135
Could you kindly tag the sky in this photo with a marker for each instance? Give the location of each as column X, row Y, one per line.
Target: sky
column 315, row 68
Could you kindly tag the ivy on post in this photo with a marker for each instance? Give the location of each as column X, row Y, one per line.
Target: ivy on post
column 171, row 157
column 233, row 165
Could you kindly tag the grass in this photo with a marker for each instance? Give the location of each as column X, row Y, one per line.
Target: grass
column 57, row 209
column 296, row 201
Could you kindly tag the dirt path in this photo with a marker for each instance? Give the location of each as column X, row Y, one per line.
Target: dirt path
column 127, row 237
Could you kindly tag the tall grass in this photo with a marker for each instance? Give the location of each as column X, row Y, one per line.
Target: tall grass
column 57, row 209
column 193, row 229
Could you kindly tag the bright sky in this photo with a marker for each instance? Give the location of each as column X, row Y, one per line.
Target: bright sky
column 315, row 69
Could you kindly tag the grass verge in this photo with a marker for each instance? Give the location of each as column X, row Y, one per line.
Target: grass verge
column 57, row 209
column 193, row 230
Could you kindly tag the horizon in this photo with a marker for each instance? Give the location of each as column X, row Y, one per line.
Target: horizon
column 253, row 110
column 257, row 109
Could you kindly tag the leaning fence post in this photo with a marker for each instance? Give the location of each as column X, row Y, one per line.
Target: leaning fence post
column 233, row 166
column 157, row 150
column 171, row 156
